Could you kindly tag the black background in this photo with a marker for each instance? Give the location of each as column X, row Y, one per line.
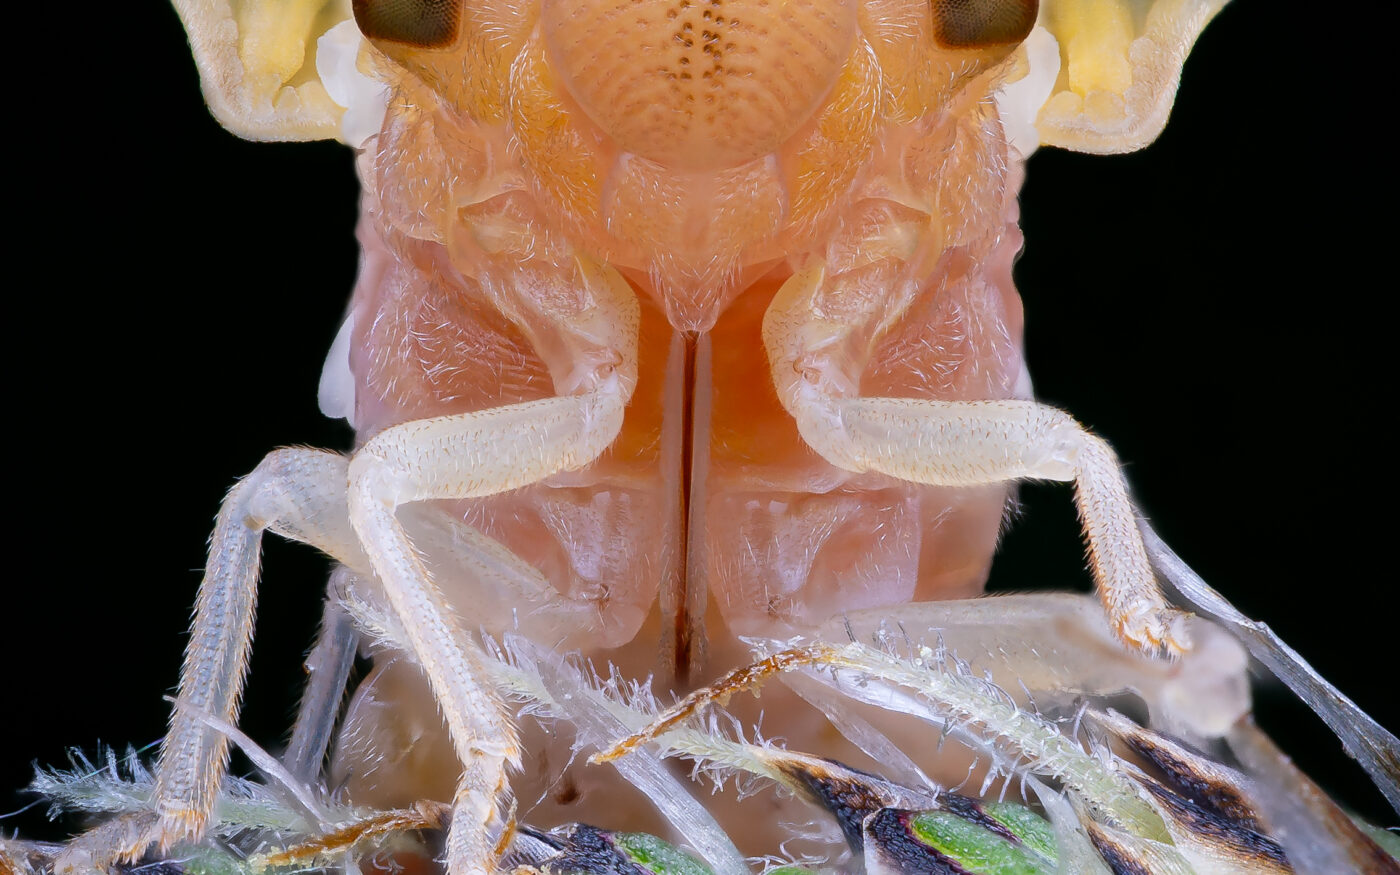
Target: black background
column 1204, row 304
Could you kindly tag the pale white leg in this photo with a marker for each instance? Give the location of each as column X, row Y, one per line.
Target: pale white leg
column 328, row 671
column 473, row 455
column 948, row 443
column 300, row 494
column 467, row 456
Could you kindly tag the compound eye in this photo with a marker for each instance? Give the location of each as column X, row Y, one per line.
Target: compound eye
column 424, row 24
column 979, row 24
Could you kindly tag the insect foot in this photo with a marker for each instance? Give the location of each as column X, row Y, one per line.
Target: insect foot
column 123, row 839
column 1154, row 629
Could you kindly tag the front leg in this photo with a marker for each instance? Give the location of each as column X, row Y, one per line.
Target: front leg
column 302, row 495
column 966, row 443
column 466, row 456
column 473, row 455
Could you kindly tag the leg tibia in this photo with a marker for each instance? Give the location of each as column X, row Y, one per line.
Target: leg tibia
column 964, row 443
column 300, row 493
column 1117, row 555
column 951, row 443
column 328, row 672
column 457, row 457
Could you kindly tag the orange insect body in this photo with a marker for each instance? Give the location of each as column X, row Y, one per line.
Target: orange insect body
column 866, row 147
column 461, row 207
column 676, row 322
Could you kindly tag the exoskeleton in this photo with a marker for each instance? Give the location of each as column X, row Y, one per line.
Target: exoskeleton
column 678, row 322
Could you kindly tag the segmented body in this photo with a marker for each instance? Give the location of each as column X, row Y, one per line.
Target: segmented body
column 230, row 422
column 430, row 339
column 708, row 518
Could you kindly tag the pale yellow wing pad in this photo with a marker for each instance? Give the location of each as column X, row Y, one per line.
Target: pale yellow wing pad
column 257, row 64
column 1120, row 62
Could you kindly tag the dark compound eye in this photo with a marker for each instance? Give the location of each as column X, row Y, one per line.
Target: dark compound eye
column 976, row 24
column 427, row 24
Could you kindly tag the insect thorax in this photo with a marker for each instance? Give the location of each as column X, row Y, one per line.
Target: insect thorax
column 896, row 181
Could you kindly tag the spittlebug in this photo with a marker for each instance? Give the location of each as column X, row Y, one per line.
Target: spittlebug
column 242, row 366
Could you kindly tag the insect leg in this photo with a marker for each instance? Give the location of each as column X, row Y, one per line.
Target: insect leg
column 968, row 443
column 297, row 493
column 328, row 671
column 472, row 455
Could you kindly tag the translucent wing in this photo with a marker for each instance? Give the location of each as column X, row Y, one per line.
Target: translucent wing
column 257, row 64
column 1120, row 62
